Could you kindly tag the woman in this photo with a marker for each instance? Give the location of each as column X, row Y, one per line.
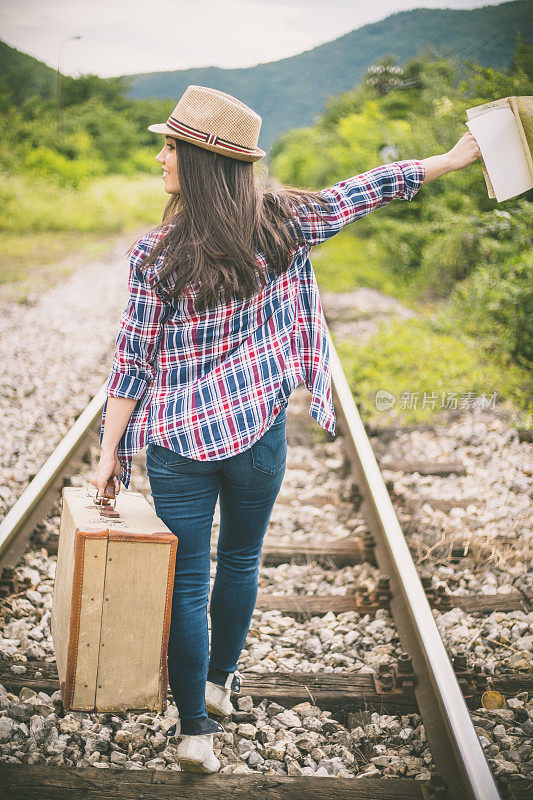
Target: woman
column 223, row 322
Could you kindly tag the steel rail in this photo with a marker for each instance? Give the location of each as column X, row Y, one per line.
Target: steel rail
column 40, row 495
column 450, row 731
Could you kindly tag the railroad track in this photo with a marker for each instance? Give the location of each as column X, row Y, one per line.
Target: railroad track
column 421, row 679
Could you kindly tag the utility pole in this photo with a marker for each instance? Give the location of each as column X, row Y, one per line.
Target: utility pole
column 59, row 108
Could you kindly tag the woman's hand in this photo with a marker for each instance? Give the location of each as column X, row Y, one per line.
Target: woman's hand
column 461, row 155
column 464, row 152
column 119, row 411
column 108, row 467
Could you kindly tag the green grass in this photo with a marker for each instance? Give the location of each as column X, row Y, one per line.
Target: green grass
column 37, row 252
column 415, row 356
column 429, row 353
column 42, row 226
column 107, row 204
column 341, row 264
column 345, row 263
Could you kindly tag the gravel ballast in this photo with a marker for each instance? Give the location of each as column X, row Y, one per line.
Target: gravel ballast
column 489, row 509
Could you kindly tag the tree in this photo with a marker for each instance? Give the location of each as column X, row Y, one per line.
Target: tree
column 522, row 60
column 111, row 91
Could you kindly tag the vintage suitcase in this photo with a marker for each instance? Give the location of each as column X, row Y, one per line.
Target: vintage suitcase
column 112, row 603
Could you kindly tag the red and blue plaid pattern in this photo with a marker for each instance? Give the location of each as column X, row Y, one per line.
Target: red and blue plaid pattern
column 210, row 383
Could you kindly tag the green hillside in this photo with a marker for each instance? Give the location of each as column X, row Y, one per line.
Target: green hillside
column 290, row 92
column 22, row 76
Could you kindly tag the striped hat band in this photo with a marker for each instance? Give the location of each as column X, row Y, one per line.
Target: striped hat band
column 208, row 138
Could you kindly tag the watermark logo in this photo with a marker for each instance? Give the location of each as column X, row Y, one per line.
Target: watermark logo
column 384, row 400
column 444, row 400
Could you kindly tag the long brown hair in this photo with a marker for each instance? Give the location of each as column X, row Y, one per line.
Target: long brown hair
column 221, row 217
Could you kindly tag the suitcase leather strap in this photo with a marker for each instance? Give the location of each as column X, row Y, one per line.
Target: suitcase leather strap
column 103, row 503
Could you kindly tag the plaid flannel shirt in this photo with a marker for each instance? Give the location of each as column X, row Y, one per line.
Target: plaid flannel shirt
column 209, row 384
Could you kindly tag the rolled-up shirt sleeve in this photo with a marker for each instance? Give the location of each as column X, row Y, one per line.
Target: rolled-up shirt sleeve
column 139, row 337
column 354, row 198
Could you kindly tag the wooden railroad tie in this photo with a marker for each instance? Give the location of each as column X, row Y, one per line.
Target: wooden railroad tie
column 303, row 606
column 439, row 468
column 332, row 691
column 334, row 552
column 49, row 782
column 64, row 783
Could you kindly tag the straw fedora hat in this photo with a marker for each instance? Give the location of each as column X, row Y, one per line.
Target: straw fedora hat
column 215, row 121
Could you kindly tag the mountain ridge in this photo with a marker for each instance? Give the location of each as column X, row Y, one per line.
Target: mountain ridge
column 284, row 96
column 290, row 92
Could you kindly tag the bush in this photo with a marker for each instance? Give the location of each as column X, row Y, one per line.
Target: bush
column 401, row 242
column 113, row 136
column 448, row 259
column 143, row 160
column 428, row 367
column 497, row 302
column 108, row 203
column 54, row 166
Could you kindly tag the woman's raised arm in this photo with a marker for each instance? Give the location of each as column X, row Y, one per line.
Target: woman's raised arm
column 355, row 197
column 461, row 155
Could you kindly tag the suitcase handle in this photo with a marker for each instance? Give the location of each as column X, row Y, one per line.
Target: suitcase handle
column 102, row 501
column 109, row 491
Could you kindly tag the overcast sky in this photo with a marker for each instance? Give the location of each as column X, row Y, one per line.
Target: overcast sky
column 126, row 36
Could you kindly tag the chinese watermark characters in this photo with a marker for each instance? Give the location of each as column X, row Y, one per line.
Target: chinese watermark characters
column 441, row 400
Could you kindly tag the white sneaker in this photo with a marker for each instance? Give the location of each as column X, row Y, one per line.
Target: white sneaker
column 195, row 754
column 217, row 698
column 195, row 751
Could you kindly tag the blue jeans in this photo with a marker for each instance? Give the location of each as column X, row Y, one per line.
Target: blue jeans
column 185, row 493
